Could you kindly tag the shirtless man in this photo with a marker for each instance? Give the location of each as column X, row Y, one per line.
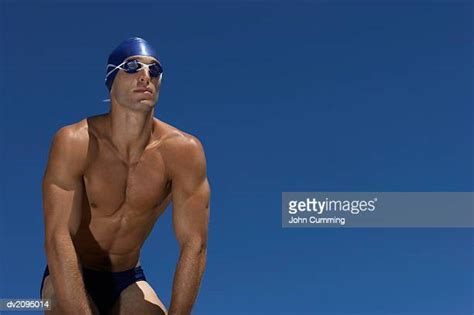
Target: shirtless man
column 108, row 180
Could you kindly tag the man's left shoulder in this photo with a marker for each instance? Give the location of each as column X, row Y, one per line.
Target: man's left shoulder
column 182, row 148
column 176, row 139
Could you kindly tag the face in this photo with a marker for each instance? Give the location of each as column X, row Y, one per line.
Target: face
column 136, row 91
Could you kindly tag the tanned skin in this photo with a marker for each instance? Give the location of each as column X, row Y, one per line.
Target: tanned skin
column 107, row 181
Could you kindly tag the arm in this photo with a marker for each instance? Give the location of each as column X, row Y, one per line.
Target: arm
column 62, row 197
column 190, row 196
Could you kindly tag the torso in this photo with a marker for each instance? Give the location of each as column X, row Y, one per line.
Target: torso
column 121, row 201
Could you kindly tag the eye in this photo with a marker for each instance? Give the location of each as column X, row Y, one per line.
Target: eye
column 131, row 66
column 155, row 69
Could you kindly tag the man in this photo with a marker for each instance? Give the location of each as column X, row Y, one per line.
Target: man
column 108, row 180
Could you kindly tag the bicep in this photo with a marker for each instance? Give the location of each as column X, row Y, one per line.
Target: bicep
column 62, row 187
column 190, row 195
column 191, row 213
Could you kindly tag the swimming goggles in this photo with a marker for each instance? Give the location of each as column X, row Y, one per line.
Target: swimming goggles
column 133, row 66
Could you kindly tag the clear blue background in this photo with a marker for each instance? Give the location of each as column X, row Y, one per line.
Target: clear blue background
column 285, row 96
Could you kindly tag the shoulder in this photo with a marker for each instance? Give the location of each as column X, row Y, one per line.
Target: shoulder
column 70, row 145
column 72, row 136
column 78, row 135
column 174, row 139
column 181, row 150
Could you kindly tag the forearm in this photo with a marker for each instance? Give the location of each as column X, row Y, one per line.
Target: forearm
column 187, row 279
column 66, row 277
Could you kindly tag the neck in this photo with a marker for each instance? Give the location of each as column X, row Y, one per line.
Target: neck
column 130, row 131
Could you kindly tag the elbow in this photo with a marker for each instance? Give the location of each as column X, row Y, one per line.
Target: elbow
column 51, row 249
column 50, row 245
column 196, row 247
column 54, row 240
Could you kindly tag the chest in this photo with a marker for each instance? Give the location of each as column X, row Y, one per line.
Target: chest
column 111, row 183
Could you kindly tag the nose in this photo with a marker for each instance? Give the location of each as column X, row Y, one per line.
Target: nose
column 144, row 75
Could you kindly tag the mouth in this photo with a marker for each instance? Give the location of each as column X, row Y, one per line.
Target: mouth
column 145, row 91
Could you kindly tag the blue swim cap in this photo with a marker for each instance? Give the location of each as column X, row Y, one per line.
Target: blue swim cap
column 129, row 47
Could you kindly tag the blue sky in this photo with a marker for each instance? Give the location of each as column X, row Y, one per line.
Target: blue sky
column 285, row 96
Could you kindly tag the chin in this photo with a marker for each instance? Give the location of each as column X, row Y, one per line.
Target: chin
column 146, row 103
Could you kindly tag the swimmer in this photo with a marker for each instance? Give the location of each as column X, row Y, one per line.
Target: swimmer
column 108, row 179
